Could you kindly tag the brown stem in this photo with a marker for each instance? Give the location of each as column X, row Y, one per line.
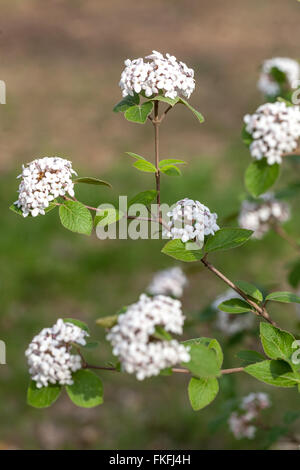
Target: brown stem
column 232, row 371
column 285, row 236
column 174, row 369
column 259, row 311
column 156, row 123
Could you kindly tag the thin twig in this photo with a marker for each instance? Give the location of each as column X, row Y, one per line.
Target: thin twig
column 174, row 369
column 285, row 236
column 156, row 123
column 259, row 311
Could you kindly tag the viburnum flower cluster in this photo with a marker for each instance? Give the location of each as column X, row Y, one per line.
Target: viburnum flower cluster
column 169, row 282
column 260, row 216
column 242, row 423
column 49, row 358
column 133, row 340
column 191, row 221
column 231, row 324
column 157, row 74
column 42, row 181
column 268, row 84
column 275, row 130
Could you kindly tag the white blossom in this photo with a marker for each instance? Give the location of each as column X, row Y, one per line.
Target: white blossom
column 191, row 221
column 157, row 74
column 240, row 427
column 168, row 282
column 275, row 129
column 133, row 341
column 241, row 423
column 253, row 403
column 227, row 323
column 42, row 181
column 49, row 358
column 260, row 216
column 268, row 85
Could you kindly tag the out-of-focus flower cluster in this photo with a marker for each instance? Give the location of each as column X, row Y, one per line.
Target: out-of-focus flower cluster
column 157, row 74
column 191, row 221
column 242, row 423
column 168, row 282
column 231, row 324
column 42, row 181
column 133, row 339
column 262, row 215
column 267, row 82
column 275, row 130
column 49, row 357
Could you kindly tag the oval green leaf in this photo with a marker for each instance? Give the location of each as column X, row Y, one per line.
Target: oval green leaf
column 42, row 397
column 87, row 390
column 227, row 238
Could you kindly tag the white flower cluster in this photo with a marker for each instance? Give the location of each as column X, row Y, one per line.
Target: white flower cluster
column 268, row 85
column 168, row 282
column 49, row 358
column 227, row 323
column 42, row 181
column 260, row 216
column 156, row 74
column 275, row 129
column 132, row 337
column 241, row 424
column 191, row 221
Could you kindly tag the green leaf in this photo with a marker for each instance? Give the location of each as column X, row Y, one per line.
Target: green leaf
column 202, row 392
column 76, row 217
column 136, row 156
column 145, row 166
column 87, row 390
column 194, row 111
column 78, row 323
column 246, row 137
column 178, row 250
column 126, row 103
column 285, row 297
column 235, row 306
column 139, row 113
column 170, row 170
column 250, row 289
column 161, row 334
column 42, row 397
column 91, row 180
column 14, row 208
column 204, row 361
column 166, row 372
column 278, row 75
column 165, row 99
column 145, row 198
column 227, row 238
column 277, row 343
column 108, row 322
column 107, row 217
column 250, row 357
column 171, row 161
column 210, row 344
column 260, row 176
column 273, row 372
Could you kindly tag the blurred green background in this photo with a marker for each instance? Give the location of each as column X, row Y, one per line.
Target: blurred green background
column 61, row 61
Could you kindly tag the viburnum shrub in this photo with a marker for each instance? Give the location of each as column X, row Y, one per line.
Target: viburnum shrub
column 145, row 336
